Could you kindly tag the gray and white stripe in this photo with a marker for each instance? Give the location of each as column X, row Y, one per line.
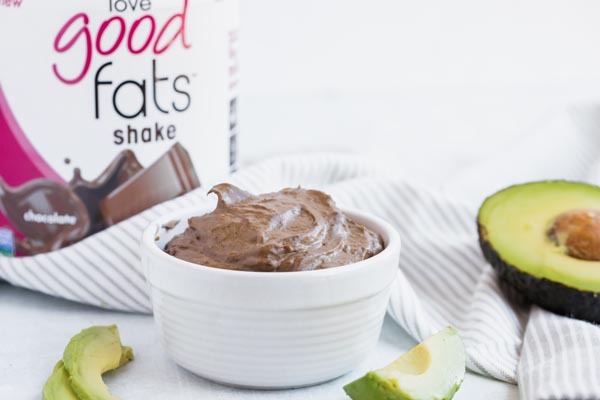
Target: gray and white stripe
column 102, row 270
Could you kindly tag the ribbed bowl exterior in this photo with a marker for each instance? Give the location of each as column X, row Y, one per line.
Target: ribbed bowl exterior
column 268, row 349
column 268, row 330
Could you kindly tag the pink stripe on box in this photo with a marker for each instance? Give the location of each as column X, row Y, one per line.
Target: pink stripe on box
column 20, row 162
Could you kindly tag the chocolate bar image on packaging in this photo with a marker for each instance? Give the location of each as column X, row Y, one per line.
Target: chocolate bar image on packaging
column 170, row 176
column 123, row 167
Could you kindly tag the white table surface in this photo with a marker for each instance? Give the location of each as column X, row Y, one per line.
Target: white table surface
column 35, row 329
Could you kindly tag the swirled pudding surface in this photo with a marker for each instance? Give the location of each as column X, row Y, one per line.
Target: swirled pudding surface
column 290, row 230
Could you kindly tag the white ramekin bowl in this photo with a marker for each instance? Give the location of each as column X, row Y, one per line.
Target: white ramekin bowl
column 268, row 330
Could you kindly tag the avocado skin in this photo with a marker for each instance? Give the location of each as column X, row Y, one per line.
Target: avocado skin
column 548, row 294
column 57, row 387
column 372, row 387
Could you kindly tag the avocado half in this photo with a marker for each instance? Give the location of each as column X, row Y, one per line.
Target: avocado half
column 543, row 238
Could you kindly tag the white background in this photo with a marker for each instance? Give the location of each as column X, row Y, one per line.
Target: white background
column 348, row 46
column 427, row 86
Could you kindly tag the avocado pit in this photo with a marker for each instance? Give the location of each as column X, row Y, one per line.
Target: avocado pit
column 578, row 231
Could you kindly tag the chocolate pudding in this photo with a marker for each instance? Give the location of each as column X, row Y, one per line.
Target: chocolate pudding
column 289, row 230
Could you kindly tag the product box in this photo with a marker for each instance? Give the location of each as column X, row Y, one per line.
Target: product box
column 108, row 108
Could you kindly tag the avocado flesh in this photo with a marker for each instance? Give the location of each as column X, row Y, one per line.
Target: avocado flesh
column 433, row 370
column 57, row 387
column 515, row 221
column 513, row 234
column 91, row 353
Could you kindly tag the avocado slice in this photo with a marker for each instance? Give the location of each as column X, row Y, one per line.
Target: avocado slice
column 433, row 370
column 543, row 238
column 57, row 387
column 91, row 353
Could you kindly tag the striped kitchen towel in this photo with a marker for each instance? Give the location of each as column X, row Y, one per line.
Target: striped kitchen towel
column 443, row 278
